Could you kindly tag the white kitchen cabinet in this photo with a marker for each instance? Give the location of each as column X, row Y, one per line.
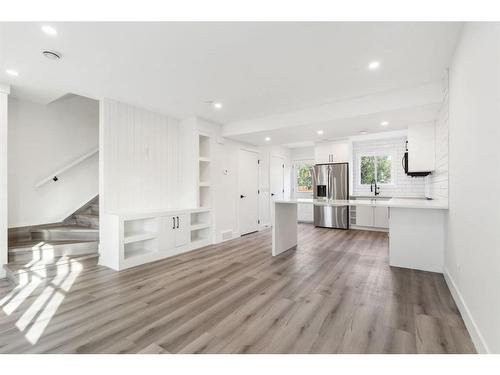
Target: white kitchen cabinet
column 331, row 152
column 364, row 216
column 367, row 216
column 381, row 217
column 305, row 212
column 421, row 148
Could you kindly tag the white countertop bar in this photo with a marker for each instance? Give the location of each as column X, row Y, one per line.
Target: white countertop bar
column 380, row 202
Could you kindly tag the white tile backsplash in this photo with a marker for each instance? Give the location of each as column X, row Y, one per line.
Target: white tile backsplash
column 403, row 185
column 437, row 182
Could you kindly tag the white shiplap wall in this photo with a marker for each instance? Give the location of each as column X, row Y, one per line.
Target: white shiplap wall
column 403, row 184
column 138, row 159
column 437, row 183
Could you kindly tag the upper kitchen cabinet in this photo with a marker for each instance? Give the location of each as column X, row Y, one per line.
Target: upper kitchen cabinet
column 331, row 152
column 421, row 148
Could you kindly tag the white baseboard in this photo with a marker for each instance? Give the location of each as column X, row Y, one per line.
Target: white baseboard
column 373, row 229
column 477, row 338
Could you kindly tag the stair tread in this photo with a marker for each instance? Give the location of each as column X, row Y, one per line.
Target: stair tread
column 90, row 216
column 67, row 228
column 28, row 245
column 47, row 263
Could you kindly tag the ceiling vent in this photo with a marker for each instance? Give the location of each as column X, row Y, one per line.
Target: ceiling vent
column 53, row 55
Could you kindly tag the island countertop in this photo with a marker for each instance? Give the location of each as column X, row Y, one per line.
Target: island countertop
column 375, row 202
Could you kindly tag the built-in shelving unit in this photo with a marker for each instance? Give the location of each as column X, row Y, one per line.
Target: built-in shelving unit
column 133, row 239
column 204, row 193
column 140, row 236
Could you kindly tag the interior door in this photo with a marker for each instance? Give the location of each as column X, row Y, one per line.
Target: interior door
column 277, row 181
column 248, row 185
column 181, row 230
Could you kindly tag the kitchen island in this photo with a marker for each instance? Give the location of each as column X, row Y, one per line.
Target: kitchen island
column 416, row 229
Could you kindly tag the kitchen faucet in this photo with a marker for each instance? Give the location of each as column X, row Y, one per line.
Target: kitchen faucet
column 377, row 188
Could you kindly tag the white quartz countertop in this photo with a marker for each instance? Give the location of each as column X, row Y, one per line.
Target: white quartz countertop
column 380, row 202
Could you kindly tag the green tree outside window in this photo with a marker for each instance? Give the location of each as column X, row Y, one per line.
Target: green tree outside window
column 304, row 178
column 376, row 168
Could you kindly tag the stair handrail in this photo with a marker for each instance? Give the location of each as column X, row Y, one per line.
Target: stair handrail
column 54, row 176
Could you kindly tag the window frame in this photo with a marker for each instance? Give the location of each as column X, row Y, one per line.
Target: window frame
column 376, row 154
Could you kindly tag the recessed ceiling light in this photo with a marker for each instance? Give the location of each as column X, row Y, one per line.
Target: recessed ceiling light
column 363, row 132
column 320, row 132
column 384, row 123
column 53, row 55
column 267, row 139
column 49, row 30
column 11, row 72
column 374, row 65
column 214, row 104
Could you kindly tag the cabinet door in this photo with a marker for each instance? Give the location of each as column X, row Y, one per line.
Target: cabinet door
column 167, row 233
column 421, row 148
column 364, row 216
column 381, row 217
column 182, row 230
column 322, row 153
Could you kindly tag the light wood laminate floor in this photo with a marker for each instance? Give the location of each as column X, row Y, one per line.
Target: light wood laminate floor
column 334, row 294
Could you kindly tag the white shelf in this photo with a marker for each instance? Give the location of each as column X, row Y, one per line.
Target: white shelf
column 199, row 226
column 204, row 159
column 137, row 253
column 138, row 236
column 204, row 184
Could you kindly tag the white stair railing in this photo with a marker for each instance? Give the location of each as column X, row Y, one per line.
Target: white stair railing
column 54, row 176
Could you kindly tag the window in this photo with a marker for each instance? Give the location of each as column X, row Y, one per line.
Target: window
column 375, row 168
column 304, row 177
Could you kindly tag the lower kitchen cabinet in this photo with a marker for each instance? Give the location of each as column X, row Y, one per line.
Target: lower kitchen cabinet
column 367, row 216
column 381, row 217
column 364, row 216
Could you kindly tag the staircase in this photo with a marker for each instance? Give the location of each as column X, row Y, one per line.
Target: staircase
column 47, row 251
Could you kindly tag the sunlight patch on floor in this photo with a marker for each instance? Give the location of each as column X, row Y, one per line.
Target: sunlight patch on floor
column 38, row 315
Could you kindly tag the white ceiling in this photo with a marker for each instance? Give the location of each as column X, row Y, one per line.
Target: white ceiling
column 254, row 69
column 294, row 136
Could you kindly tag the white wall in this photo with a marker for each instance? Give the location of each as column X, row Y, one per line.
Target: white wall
column 138, row 159
column 4, row 93
column 43, row 139
column 472, row 259
column 403, row 185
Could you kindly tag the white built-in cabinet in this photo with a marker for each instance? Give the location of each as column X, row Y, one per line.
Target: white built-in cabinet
column 367, row 216
column 331, row 152
column 134, row 239
column 175, row 231
column 421, row 148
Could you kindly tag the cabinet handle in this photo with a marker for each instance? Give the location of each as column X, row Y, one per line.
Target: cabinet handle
column 177, row 222
column 173, row 221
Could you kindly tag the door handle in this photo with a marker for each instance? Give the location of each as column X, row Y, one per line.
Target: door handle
column 173, row 222
column 177, row 222
column 272, row 194
column 242, row 196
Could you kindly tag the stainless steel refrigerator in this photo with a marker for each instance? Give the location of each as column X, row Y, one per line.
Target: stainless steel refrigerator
column 331, row 181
